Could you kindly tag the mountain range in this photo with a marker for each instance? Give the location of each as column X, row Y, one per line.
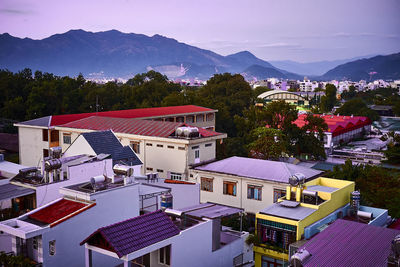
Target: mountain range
column 115, row 54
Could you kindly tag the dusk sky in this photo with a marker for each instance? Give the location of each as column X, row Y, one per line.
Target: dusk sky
column 271, row 29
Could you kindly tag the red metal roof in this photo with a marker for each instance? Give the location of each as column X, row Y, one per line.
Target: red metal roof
column 131, row 113
column 132, row 126
column 338, row 124
column 57, row 211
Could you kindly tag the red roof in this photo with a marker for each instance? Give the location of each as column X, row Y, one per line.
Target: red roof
column 338, row 124
column 131, row 113
column 57, row 211
column 132, row 126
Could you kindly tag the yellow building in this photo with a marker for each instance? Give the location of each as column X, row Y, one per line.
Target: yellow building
column 284, row 222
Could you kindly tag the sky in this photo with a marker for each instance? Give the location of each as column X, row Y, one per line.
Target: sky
column 299, row 30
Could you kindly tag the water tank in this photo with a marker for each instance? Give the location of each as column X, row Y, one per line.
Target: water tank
column 310, row 193
column 166, row 201
column 97, row 179
column 299, row 258
column 180, row 131
column 52, row 164
column 123, row 170
column 355, row 201
column 191, row 132
column 55, row 152
column 297, row 179
column 364, row 215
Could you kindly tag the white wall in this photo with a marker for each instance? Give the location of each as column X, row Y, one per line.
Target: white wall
column 79, row 147
column 111, row 207
column 31, row 146
column 240, row 200
column 76, row 174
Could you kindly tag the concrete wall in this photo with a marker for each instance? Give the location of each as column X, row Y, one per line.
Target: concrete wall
column 242, row 183
column 111, row 207
column 206, row 152
column 78, row 147
column 76, row 174
column 31, row 146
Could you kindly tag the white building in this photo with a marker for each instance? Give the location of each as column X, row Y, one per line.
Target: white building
column 246, row 183
column 37, row 136
column 187, row 237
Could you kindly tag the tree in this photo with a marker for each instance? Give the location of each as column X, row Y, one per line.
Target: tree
column 357, row 107
column 268, row 144
column 392, row 152
column 328, row 101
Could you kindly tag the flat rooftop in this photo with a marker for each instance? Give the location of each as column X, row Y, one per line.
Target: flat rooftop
column 294, row 213
column 322, row 188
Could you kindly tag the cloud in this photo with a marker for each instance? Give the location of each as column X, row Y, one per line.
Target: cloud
column 279, row 45
column 13, row 11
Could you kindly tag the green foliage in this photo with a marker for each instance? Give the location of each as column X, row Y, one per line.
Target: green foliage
column 329, row 100
column 351, row 93
column 268, row 143
column 379, row 187
column 14, row 261
column 357, row 107
column 393, row 148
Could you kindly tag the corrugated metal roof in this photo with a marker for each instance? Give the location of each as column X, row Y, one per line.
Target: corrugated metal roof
column 132, row 126
column 258, row 169
column 131, row 235
column 9, row 191
column 212, row 211
column 347, row 243
column 57, row 211
column 42, row 122
column 298, row 213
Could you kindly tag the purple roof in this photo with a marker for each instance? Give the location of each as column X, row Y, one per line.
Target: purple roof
column 259, row 169
column 347, row 243
column 131, row 235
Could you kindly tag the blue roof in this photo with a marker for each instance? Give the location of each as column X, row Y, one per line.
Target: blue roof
column 107, row 143
column 131, row 235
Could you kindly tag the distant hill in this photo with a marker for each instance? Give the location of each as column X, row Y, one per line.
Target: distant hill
column 116, row 54
column 382, row 67
column 312, row 68
column 260, row 72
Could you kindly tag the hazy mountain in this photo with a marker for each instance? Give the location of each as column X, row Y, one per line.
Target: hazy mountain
column 382, row 67
column 312, row 68
column 260, row 72
column 117, row 54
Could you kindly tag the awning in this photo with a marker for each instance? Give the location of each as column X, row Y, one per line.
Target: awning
column 10, row 191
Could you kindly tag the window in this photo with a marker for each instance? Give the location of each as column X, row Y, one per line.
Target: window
column 149, row 144
column 160, row 146
column 52, row 248
column 45, row 135
column 208, row 145
column 197, row 154
column 181, row 147
column 189, row 119
column 149, row 169
column 165, row 255
column 195, row 147
column 135, row 147
column 278, row 193
column 210, row 117
column 179, row 119
column 229, row 188
column 206, row 184
column 175, row 176
column 35, row 242
column 171, row 147
column 200, row 118
column 159, row 170
column 254, row 192
column 45, row 153
column 67, row 139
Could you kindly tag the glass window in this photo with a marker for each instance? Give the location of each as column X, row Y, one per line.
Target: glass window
column 229, row 188
column 165, row 255
column 171, row 147
column 135, row 147
column 45, row 135
column 278, row 193
column 175, row 176
column 208, row 145
column 254, row 192
column 67, row 139
column 206, row 184
column 197, row 154
column 181, row 147
column 200, row 118
column 149, row 144
column 210, row 117
column 160, row 146
column 189, row 119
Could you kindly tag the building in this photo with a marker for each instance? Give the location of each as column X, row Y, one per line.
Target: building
column 347, row 243
column 163, row 238
column 8, row 170
column 289, row 97
column 247, row 183
column 37, row 136
column 50, row 235
column 285, row 222
column 168, row 148
column 341, row 129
